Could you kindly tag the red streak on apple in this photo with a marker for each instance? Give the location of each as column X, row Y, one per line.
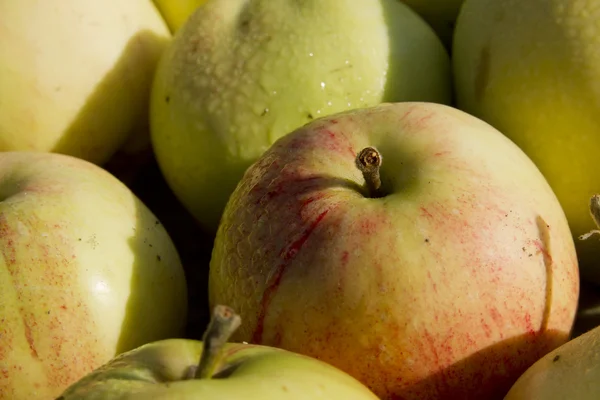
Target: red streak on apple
column 44, row 273
column 287, row 255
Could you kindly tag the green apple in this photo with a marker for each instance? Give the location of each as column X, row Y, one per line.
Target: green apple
column 242, row 73
column 176, row 12
column 75, row 75
column 86, row 272
column 446, row 281
column 531, row 68
column 440, row 14
column 571, row 371
column 169, row 369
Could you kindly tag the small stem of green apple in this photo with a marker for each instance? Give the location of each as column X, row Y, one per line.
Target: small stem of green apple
column 368, row 161
column 595, row 213
column 223, row 323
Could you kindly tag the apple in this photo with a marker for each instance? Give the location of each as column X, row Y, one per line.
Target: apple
column 443, row 270
column 440, row 14
column 86, row 272
column 239, row 74
column 176, row 12
column 169, row 369
column 571, row 371
column 75, row 75
column 530, row 69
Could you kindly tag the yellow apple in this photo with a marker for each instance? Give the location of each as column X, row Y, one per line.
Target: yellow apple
column 86, row 272
column 176, row 12
column 531, row 69
column 447, row 282
column 75, row 75
column 239, row 74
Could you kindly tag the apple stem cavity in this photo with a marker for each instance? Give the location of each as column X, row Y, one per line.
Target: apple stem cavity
column 368, row 161
column 223, row 323
column 595, row 212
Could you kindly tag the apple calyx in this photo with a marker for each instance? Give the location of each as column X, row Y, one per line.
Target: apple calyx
column 595, row 213
column 223, row 323
column 368, row 161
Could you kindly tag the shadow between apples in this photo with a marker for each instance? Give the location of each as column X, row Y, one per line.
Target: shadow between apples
column 193, row 246
column 465, row 379
column 138, row 60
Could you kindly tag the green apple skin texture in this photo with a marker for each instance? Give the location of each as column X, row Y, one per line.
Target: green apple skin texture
column 242, row 73
column 75, row 78
column 437, row 290
column 571, row 371
column 176, row 12
column 158, row 371
column 86, row 272
column 531, row 68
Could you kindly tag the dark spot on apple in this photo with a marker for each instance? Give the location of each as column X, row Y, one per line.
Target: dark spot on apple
column 556, row 358
column 79, row 239
column 426, row 240
column 158, row 257
column 157, row 222
column 265, row 111
column 310, row 116
column 482, row 75
column 167, row 99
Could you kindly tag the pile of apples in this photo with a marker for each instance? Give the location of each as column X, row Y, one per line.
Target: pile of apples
column 299, row 199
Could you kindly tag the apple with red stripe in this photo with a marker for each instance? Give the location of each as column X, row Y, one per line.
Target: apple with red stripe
column 410, row 244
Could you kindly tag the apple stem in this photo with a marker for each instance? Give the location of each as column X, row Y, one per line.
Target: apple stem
column 368, row 161
column 223, row 323
column 595, row 212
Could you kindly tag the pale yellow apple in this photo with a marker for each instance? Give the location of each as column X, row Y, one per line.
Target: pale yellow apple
column 176, row 12
column 240, row 74
column 447, row 286
column 75, row 75
column 531, row 69
column 86, row 272
column 571, row 371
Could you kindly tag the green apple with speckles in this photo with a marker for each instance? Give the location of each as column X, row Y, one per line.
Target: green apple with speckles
column 531, row 69
column 170, row 369
column 239, row 74
column 86, row 272
column 445, row 282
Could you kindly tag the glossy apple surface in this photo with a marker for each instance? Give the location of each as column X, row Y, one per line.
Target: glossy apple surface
column 449, row 286
column 86, row 272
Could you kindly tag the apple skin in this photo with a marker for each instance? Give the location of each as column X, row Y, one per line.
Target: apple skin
column 176, row 12
column 440, row 14
column 571, row 371
column 86, row 272
column 448, row 287
column 158, row 371
column 530, row 69
column 75, row 76
column 241, row 73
